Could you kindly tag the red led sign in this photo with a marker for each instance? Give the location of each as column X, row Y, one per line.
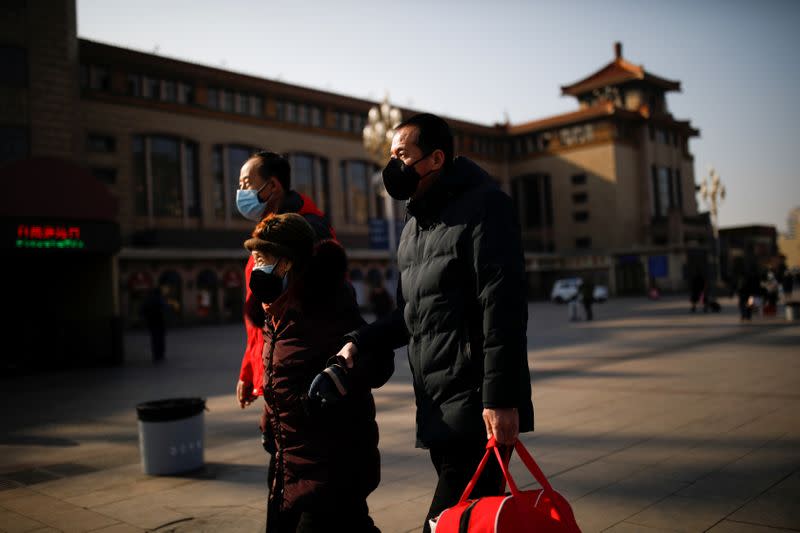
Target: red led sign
column 47, row 236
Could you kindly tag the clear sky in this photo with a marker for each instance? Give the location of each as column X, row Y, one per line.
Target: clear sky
column 738, row 63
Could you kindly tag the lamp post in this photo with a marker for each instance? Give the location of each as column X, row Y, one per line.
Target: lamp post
column 377, row 136
column 712, row 192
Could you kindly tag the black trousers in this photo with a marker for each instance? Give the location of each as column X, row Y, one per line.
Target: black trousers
column 158, row 342
column 587, row 306
column 455, row 465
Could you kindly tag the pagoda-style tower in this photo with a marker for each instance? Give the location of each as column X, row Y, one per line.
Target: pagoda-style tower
column 626, row 86
column 614, row 177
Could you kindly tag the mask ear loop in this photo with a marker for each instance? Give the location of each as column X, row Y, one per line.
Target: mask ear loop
column 268, row 197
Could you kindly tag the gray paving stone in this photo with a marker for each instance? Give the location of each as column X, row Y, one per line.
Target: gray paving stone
column 119, row 528
column 729, row 526
column 12, row 522
column 679, row 513
column 777, row 507
column 403, row 517
column 627, row 527
column 56, row 513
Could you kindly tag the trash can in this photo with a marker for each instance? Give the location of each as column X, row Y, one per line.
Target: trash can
column 171, row 435
column 792, row 311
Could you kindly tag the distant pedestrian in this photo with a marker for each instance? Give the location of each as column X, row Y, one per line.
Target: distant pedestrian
column 587, row 295
column 380, row 300
column 653, row 292
column 788, row 285
column 771, row 292
column 154, row 311
column 697, row 290
column 572, row 307
column 748, row 290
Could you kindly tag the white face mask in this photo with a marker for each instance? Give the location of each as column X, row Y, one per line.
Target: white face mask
column 249, row 205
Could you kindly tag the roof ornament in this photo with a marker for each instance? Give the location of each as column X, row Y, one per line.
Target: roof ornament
column 618, row 50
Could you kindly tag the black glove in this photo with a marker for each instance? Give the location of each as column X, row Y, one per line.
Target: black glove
column 329, row 386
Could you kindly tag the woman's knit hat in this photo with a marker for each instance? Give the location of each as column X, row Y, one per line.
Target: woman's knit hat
column 287, row 235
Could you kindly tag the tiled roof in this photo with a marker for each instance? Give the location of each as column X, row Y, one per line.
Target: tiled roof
column 602, row 110
column 617, row 72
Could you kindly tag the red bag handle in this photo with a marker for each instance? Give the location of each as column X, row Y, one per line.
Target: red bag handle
column 527, row 460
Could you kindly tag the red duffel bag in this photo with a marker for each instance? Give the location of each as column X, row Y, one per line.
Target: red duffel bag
column 535, row 511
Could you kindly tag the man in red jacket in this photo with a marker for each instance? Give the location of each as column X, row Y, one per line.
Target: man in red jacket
column 265, row 188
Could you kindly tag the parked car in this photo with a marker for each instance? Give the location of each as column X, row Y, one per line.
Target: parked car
column 567, row 288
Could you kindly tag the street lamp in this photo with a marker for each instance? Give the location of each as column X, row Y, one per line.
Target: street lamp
column 712, row 192
column 381, row 122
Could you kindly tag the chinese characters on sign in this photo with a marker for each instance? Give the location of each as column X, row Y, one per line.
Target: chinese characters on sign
column 47, row 236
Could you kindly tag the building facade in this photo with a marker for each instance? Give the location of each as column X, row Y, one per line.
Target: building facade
column 789, row 243
column 605, row 191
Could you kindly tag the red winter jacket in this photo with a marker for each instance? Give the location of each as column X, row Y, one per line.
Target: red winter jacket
column 252, row 371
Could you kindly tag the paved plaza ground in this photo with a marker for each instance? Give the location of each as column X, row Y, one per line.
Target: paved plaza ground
column 648, row 419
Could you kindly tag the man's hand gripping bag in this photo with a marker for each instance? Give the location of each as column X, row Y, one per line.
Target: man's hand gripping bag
column 535, row 511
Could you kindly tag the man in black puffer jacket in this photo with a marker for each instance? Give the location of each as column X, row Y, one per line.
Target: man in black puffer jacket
column 462, row 308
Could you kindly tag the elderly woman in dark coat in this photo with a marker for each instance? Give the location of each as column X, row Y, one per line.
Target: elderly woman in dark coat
column 325, row 459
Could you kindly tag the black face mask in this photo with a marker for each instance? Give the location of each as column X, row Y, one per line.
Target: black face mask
column 267, row 286
column 401, row 180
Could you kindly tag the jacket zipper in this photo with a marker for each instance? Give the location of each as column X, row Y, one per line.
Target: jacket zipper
column 269, row 396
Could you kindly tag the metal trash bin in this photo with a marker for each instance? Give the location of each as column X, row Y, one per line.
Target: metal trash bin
column 171, row 435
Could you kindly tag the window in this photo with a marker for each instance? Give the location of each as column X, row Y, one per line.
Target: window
column 256, row 106
column 152, row 88
column 359, row 121
column 678, row 190
column 213, row 99
column 185, row 93
column 290, row 110
column 343, row 121
column 13, row 143
column 134, row 85
column 105, row 175
column 578, row 179
column 310, row 177
column 316, row 116
column 170, row 93
column 662, row 191
column 99, row 78
column 242, row 105
column 192, row 181
column 165, row 169
column 166, row 177
column 356, row 179
column 227, row 101
column 583, row 242
column 662, row 136
column 580, row 198
column 580, row 216
column 532, row 196
column 15, row 66
column 100, row 143
column 302, row 114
